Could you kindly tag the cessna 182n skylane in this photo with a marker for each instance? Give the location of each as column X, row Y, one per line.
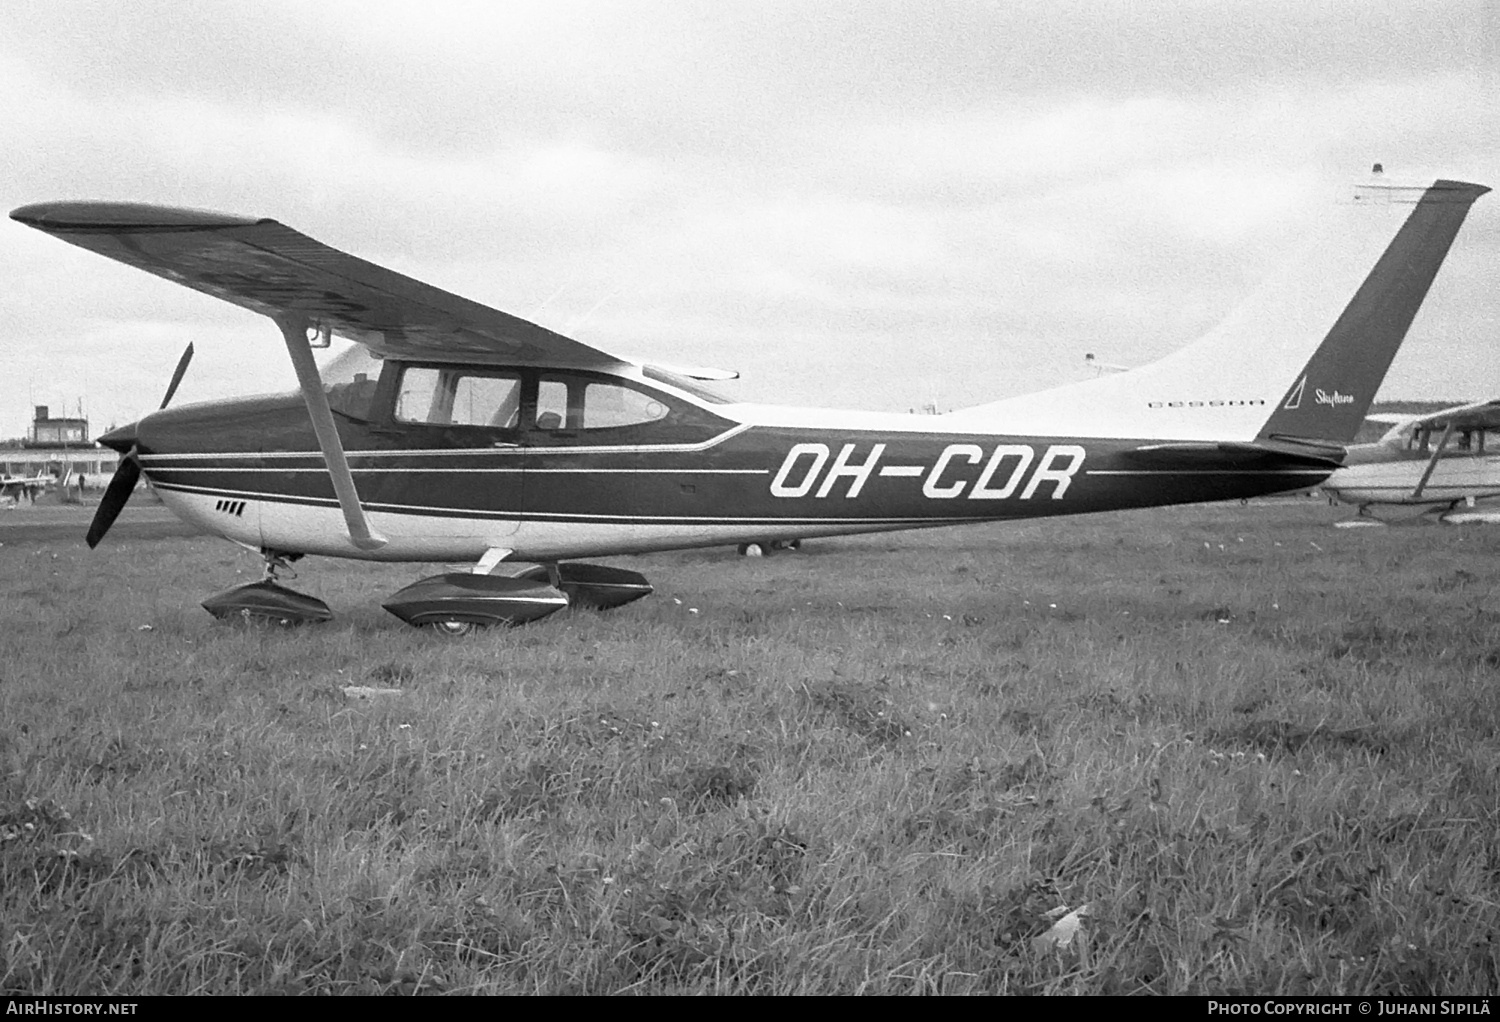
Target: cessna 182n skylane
column 452, row 431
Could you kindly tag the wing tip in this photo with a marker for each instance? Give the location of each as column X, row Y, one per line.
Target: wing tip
column 1467, row 190
column 88, row 215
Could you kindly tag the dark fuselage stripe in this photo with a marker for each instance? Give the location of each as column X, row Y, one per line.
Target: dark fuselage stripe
column 542, row 516
column 1322, row 472
column 529, row 470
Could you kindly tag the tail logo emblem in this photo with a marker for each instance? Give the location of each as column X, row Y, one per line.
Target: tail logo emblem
column 1294, row 399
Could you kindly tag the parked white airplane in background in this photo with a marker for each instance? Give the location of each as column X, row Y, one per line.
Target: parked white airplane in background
column 1435, row 461
column 15, row 487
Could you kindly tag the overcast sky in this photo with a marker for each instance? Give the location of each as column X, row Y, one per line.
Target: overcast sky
column 856, row 204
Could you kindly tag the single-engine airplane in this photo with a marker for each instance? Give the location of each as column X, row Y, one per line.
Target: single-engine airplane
column 28, row 486
column 454, row 432
column 1406, row 468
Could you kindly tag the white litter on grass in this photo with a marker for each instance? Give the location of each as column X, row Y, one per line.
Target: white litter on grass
column 1358, row 523
column 366, row 692
column 1063, row 931
column 144, row 628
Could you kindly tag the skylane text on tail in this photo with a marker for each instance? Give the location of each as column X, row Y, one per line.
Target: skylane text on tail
column 454, row 432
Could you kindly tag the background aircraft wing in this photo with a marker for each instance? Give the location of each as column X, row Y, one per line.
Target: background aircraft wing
column 269, row 268
column 1479, row 415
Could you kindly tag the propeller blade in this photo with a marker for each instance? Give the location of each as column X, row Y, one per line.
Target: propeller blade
column 182, row 364
column 121, row 486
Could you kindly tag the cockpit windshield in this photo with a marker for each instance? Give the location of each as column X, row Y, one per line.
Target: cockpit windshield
column 349, row 379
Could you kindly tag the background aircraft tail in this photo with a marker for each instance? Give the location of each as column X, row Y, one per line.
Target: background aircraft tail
column 1299, row 359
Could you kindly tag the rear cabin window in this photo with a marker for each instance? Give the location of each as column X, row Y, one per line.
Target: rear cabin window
column 586, row 405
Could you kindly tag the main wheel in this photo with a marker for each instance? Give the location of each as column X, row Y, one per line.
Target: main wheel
column 449, row 628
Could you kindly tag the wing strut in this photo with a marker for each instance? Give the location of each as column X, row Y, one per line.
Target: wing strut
column 1432, row 462
column 294, row 330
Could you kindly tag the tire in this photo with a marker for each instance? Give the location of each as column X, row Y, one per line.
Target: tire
column 754, row 549
column 266, row 619
column 449, row 628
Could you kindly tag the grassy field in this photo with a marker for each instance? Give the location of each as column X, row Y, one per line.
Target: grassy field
column 1201, row 750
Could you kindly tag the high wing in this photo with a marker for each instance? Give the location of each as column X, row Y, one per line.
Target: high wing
column 9, row 484
column 1365, row 463
column 1479, row 415
column 267, row 267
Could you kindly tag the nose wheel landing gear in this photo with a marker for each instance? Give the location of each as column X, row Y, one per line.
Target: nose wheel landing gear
column 765, row 548
column 268, row 601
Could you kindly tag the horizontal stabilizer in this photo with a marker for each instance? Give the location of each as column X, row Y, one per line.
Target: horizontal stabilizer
column 707, row 373
column 1260, row 454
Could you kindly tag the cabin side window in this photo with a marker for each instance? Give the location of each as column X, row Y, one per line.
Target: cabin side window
column 353, row 398
column 552, row 406
column 583, row 404
column 350, row 380
column 606, row 405
column 453, row 397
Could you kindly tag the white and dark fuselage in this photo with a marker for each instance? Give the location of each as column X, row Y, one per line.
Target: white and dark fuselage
column 693, row 473
column 484, row 437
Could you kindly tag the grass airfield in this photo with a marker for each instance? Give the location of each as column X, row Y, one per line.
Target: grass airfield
column 1215, row 749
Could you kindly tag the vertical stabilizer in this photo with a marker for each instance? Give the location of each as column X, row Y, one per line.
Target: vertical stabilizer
column 1296, row 358
column 1328, row 400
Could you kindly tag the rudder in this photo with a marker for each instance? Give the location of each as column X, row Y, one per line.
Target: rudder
column 1328, row 400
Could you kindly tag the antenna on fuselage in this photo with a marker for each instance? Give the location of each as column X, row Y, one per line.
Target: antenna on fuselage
column 580, row 320
column 1103, row 367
